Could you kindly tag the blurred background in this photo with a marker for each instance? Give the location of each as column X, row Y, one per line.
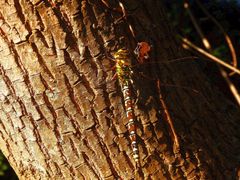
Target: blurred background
column 209, row 25
column 210, row 30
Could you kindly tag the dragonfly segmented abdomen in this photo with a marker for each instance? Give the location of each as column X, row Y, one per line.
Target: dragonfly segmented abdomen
column 131, row 121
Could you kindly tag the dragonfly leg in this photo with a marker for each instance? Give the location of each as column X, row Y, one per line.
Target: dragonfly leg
column 114, row 76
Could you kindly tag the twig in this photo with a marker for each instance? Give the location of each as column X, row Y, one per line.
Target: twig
column 194, row 21
column 227, row 38
column 169, row 120
column 207, row 45
column 215, row 59
column 210, row 56
column 232, row 88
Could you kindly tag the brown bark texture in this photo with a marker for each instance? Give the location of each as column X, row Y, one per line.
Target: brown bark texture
column 62, row 116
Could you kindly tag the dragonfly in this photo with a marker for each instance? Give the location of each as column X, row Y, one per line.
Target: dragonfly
column 124, row 74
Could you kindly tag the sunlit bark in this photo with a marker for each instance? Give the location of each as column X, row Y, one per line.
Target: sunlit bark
column 62, row 116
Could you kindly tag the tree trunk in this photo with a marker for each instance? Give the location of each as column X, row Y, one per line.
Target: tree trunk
column 62, row 116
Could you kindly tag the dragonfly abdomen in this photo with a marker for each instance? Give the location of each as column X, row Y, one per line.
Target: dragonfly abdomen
column 131, row 121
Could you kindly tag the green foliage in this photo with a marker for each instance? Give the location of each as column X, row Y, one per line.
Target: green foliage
column 3, row 166
column 6, row 171
column 220, row 51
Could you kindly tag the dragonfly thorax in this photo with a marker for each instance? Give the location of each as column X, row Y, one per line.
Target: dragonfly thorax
column 123, row 66
column 123, row 71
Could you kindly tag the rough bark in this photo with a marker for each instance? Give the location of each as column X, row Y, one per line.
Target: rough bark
column 61, row 116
